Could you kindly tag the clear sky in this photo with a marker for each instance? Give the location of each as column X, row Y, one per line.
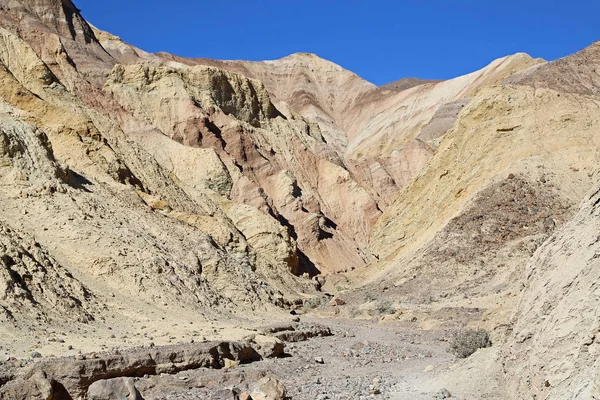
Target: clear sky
column 382, row 41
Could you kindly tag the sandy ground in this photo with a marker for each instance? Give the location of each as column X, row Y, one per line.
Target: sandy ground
column 363, row 359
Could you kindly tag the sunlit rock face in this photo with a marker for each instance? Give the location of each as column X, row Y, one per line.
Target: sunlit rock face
column 223, row 187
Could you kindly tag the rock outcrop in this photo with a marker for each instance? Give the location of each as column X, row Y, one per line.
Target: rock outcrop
column 552, row 346
column 190, row 189
column 76, row 378
column 33, row 286
column 116, row 388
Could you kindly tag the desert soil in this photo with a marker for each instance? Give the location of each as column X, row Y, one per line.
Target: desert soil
column 363, row 359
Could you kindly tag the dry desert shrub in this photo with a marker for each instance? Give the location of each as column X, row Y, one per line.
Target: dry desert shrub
column 315, row 302
column 385, row 307
column 468, row 341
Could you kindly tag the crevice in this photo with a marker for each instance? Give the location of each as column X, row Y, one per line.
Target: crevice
column 306, row 266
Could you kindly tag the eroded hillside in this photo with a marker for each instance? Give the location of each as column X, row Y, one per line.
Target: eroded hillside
column 149, row 190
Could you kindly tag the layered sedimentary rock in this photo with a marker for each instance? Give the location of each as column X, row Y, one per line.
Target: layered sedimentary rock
column 101, row 206
column 223, row 186
column 512, row 147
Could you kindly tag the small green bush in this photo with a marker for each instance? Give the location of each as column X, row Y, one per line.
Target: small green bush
column 466, row 342
column 385, row 307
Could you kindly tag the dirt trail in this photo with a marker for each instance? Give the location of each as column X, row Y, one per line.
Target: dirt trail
column 363, row 359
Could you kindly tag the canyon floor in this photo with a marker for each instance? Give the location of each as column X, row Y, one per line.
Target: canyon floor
column 368, row 358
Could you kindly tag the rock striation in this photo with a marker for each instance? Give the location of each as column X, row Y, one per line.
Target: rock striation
column 196, row 189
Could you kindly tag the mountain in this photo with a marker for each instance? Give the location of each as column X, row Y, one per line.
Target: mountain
column 151, row 190
column 406, row 83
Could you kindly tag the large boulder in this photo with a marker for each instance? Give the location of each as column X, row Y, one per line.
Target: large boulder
column 114, row 389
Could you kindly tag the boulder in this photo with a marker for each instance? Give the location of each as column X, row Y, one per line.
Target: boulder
column 336, row 301
column 269, row 346
column 304, row 334
column 114, row 389
column 268, row 388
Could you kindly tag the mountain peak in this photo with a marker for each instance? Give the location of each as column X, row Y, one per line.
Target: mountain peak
column 60, row 16
column 305, row 54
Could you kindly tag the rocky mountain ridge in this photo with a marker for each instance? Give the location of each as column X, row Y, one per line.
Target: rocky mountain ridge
column 231, row 190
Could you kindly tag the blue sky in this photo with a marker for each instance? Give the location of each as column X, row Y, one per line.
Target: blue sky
column 381, row 41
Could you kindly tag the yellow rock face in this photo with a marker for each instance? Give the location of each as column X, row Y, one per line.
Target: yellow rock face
column 505, row 129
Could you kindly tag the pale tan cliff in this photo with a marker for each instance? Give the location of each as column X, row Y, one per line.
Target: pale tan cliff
column 194, row 189
column 553, row 344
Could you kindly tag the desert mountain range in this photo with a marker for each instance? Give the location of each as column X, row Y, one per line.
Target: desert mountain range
column 142, row 187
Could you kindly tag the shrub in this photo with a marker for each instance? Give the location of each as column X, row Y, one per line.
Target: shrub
column 466, row 342
column 315, row 302
column 385, row 307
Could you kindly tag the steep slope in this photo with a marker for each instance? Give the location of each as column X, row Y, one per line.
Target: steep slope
column 553, row 343
column 512, row 168
column 33, row 285
column 551, row 346
column 106, row 215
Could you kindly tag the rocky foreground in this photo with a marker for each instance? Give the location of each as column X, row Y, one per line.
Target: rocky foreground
column 348, row 359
